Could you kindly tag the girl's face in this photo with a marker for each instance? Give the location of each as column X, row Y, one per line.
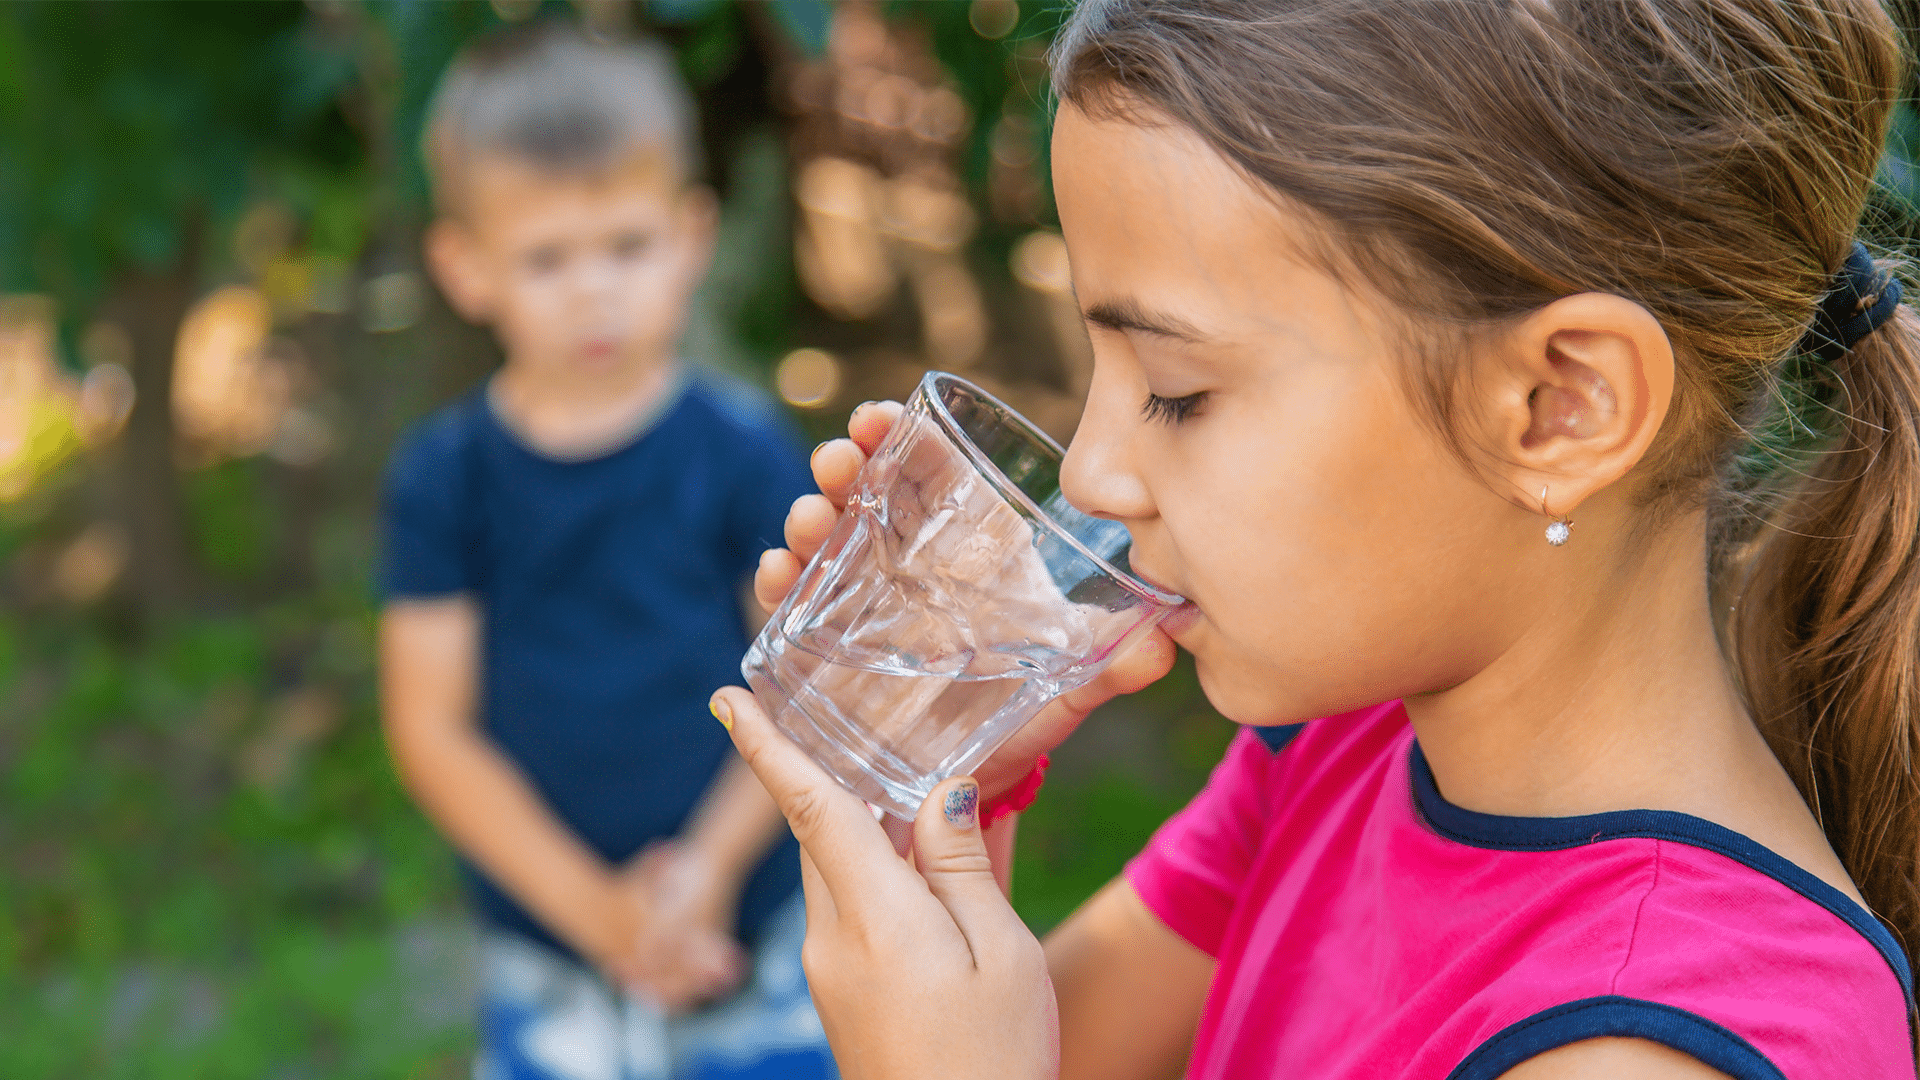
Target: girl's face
column 1248, row 421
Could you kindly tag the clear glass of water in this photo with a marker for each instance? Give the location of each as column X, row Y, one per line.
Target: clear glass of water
column 956, row 596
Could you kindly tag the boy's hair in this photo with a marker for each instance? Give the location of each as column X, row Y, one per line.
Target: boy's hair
column 1709, row 159
column 549, row 96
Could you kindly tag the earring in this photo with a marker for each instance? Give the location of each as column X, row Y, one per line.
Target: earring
column 1559, row 529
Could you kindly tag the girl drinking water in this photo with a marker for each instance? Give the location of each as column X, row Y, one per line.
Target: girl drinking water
column 1503, row 383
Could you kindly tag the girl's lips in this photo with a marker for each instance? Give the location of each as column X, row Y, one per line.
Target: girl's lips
column 1151, row 580
column 1180, row 619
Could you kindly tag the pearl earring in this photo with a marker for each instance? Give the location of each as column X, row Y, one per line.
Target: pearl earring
column 1559, row 529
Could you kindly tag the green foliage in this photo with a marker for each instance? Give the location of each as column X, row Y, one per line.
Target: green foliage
column 123, row 125
column 152, row 834
column 233, row 518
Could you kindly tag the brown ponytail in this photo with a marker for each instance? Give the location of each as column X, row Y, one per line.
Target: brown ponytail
column 1825, row 628
column 1709, row 159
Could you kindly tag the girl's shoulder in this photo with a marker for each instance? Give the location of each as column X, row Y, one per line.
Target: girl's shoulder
column 1661, row 925
column 1488, row 939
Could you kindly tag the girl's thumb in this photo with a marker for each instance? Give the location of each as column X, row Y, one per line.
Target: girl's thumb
column 951, row 855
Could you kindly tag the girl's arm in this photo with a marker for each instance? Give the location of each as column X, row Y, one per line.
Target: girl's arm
column 1129, row 990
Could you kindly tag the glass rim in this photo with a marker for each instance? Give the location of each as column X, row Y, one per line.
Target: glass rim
column 1010, row 490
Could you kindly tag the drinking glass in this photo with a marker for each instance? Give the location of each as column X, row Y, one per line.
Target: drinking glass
column 956, row 596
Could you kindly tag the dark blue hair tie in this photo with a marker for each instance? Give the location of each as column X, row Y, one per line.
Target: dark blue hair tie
column 1845, row 316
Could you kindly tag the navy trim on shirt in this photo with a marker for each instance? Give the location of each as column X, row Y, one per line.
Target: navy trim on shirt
column 1558, row 833
column 1614, row 1016
column 1279, row 736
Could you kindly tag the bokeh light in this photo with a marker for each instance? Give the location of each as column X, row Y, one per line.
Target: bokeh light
column 994, row 19
column 37, row 401
column 1040, row 262
column 228, row 393
column 808, row 378
column 392, row 302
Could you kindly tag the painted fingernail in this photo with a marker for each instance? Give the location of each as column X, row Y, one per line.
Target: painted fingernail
column 862, row 405
column 963, row 805
column 815, row 456
column 718, row 707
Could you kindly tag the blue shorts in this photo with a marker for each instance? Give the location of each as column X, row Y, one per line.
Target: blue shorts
column 544, row 1016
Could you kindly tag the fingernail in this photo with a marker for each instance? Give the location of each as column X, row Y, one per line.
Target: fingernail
column 963, row 805
column 718, row 707
column 811, row 458
column 862, row 405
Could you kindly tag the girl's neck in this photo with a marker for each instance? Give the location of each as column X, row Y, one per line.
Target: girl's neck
column 1618, row 698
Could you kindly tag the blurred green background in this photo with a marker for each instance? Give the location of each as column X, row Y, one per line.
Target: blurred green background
column 213, row 325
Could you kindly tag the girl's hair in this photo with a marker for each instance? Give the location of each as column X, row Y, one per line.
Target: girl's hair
column 1708, row 159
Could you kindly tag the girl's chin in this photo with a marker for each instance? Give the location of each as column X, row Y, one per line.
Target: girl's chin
column 1242, row 692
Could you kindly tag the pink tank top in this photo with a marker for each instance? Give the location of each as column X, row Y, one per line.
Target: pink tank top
column 1366, row 927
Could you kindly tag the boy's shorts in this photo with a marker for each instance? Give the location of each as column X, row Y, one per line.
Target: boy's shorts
column 544, row 1016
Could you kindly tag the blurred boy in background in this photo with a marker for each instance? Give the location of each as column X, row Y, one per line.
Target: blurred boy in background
column 565, row 550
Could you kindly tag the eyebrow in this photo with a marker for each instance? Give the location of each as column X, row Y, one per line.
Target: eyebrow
column 1126, row 314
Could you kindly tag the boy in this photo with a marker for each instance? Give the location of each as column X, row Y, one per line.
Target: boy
column 565, row 550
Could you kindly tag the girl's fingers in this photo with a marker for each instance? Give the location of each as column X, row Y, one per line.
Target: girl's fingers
column 1144, row 662
column 870, row 423
column 899, row 834
column 951, row 856
column 820, row 909
column 836, row 464
column 853, row 857
column 775, row 577
column 808, row 525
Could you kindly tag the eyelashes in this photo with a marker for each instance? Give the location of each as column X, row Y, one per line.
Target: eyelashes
column 1167, row 410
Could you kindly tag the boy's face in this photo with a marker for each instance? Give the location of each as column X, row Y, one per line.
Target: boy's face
column 577, row 273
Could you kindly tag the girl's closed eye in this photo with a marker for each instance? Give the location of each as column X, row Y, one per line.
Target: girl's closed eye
column 1172, row 410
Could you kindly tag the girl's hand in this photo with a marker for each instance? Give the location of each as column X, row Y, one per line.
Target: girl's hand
column 918, row 974
column 836, row 464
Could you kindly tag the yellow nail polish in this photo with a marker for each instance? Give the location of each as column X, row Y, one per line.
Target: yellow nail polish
column 721, row 713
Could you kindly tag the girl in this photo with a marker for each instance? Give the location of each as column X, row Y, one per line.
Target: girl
column 1512, row 363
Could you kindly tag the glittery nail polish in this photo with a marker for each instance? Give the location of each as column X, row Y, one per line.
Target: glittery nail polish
column 963, row 806
column 721, row 713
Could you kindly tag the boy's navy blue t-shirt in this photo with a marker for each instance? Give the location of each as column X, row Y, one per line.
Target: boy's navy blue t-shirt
column 610, row 593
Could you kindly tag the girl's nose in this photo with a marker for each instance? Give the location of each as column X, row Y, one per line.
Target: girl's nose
column 1100, row 476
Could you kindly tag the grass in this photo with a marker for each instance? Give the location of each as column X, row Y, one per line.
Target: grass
column 207, row 868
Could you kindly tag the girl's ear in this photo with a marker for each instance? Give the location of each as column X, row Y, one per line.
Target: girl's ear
column 1576, row 392
column 454, row 259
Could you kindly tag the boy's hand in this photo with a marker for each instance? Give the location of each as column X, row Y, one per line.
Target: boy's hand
column 836, row 465
column 684, row 952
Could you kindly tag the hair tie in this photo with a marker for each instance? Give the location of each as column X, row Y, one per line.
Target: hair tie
column 1845, row 316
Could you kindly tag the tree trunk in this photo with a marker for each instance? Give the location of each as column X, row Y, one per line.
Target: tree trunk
column 150, row 306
